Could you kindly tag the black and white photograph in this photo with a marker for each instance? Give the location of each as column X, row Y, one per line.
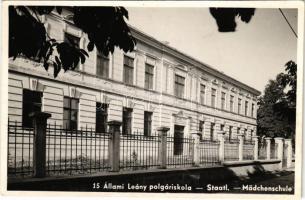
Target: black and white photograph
column 152, row 97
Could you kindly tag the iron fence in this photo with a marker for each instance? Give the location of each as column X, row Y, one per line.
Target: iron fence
column 231, row 150
column 75, row 151
column 20, row 148
column 262, row 151
column 209, row 153
column 248, row 151
column 273, row 150
column 84, row 151
column 179, row 152
column 139, row 151
column 248, row 142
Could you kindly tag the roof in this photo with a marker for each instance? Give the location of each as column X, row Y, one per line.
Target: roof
column 144, row 37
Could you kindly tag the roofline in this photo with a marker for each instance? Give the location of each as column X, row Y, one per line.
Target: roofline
column 140, row 35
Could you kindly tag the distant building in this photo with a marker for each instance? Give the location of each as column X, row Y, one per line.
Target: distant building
column 156, row 85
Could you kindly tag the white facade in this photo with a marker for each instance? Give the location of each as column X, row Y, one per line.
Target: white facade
column 167, row 109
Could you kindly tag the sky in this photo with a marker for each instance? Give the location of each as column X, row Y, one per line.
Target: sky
column 254, row 54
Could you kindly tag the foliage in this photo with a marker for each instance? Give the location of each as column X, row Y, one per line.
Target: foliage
column 105, row 26
column 276, row 114
column 225, row 17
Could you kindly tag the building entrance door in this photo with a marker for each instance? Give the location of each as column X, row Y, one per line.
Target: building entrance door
column 178, row 139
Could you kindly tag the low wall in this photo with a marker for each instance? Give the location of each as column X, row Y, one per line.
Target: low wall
column 191, row 178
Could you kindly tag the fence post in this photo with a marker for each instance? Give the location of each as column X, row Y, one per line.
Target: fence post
column 289, row 152
column 268, row 148
column 241, row 146
column 255, row 139
column 162, row 157
column 39, row 145
column 280, row 148
column 221, row 138
column 196, row 150
column 114, row 145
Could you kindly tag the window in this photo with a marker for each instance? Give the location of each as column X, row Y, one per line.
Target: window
column 70, row 113
column 213, row 99
column 251, row 135
column 212, row 131
column 31, row 102
column 127, row 118
column 222, row 127
column 147, row 123
column 252, row 110
column 223, row 100
column 149, row 76
column 238, row 131
column 179, row 86
column 231, row 103
column 239, row 106
column 128, row 70
column 101, row 117
column 201, row 129
column 246, row 108
column 102, row 65
column 201, row 126
column 230, row 132
column 202, row 93
column 73, row 41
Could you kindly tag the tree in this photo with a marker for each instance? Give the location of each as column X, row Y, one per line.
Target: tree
column 105, row 26
column 276, row 114
column 225, row 17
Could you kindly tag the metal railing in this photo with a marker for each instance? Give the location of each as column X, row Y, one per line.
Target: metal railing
column 231, row 150
column 20, row 148
column 209, row 153
column 70, row 152
column 75, row 152
column 248, row 151
column 262, row 151
column 179, row 151
column 139, row 151
column 273, row 150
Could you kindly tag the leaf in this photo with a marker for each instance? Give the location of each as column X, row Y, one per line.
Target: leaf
column 55, row 72
column 54, row 44
column 82, row 58
column 84, row 52
column 57, row 60
column 52, row 40
column 90, row 46
column 46, row 66
column 75, row 62
column 225, row 17
column 107, row 29
column 124, row 12
column 58, row 9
